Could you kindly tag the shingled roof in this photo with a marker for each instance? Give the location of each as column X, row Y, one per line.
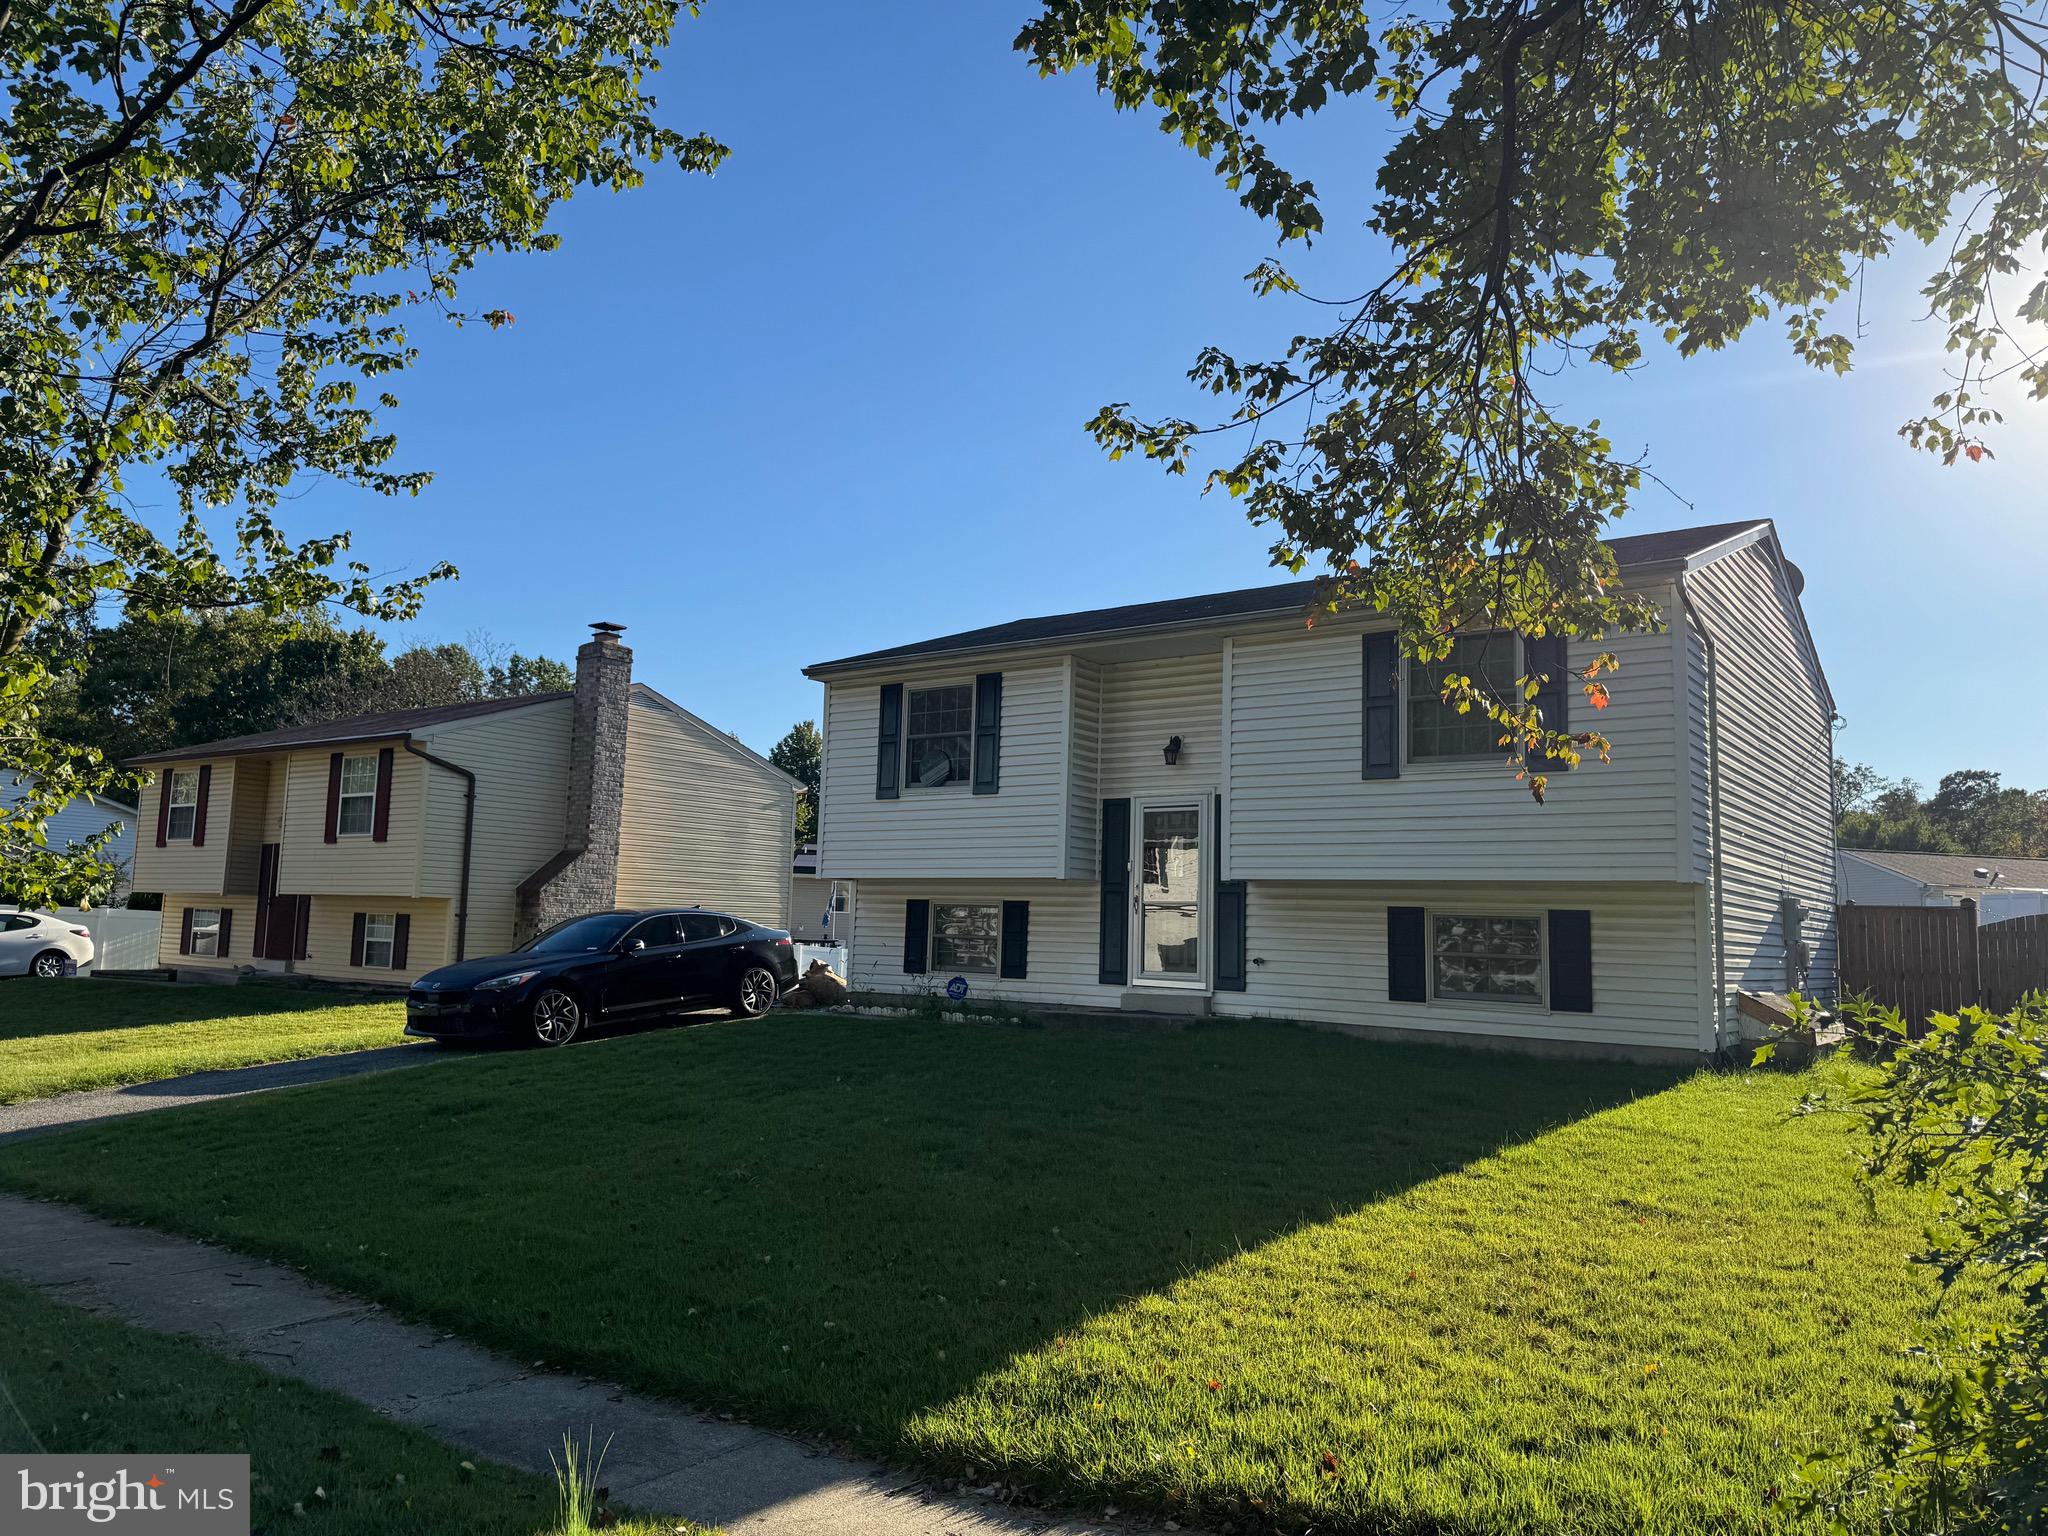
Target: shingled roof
column 372, row 727
column 1947, row 870
column 1640, row 549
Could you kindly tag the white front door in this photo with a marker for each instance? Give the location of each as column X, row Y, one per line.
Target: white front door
column 1171, row 862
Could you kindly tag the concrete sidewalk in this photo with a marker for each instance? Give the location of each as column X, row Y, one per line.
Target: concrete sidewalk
column 35, row 1116
column 662, row 1457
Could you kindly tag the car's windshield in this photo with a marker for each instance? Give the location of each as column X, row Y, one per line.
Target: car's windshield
column 583, row 933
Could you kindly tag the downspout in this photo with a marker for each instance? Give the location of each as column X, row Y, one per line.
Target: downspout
column 468, row 832
column 1713, row 809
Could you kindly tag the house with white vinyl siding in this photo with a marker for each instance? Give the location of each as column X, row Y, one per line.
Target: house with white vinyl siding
column 1206, row 805
column 376, row 848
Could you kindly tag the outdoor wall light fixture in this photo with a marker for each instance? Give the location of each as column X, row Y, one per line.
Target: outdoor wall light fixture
column 1173, row 752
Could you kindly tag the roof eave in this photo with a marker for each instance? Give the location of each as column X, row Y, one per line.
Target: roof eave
column 202, row 753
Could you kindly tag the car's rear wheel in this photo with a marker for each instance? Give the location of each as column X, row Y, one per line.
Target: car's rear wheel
column 50, row 964
column 757, row 991
column 557, row 1016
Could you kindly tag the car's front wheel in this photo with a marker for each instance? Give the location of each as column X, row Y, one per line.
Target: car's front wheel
column 756, row 992
column 557, row 1016
column 50, row 964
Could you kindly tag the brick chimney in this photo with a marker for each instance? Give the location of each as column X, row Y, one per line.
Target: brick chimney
column 584, row 876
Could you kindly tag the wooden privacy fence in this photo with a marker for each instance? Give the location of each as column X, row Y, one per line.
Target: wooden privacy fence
column 1923, row 960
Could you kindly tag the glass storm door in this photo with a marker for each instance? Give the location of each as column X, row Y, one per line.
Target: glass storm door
column 1170, row 893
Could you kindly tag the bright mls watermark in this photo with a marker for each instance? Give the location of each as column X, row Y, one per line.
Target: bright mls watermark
column 144, row 1495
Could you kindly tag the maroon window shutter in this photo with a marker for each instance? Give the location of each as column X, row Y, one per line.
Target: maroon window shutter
column 401, row 939
column 301, row 926
column 355, row 941
column 163, row 808
column 333, row 796
column 185, row 933
column 227, row 927
column 199, row 812
column 382, row 828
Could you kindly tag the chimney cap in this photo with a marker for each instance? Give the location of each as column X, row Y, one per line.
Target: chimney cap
column 604, row 628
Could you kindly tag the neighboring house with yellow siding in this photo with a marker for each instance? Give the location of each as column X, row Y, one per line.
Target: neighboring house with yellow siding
column 376, row 848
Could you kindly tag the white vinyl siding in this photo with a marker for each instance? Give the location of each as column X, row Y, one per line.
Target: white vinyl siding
column 1084, row 768
column 1019, row 832
column 705, row 823
column 1299, row 810
column 1145, row 704
column 80, row 820
column 1061, row 950
column 1776, row 790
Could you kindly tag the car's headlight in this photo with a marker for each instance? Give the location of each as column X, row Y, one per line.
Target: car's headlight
column 517, row 978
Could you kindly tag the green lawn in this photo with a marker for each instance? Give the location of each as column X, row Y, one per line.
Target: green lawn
column 317, row 1462
column 1371, row 1287
column 56, row 1037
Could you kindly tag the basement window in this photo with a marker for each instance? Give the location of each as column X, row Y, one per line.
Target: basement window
column 380, row 933
column 1494, row 959
column 965, row 940
column 206, row 931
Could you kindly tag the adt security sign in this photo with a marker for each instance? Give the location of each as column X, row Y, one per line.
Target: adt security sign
column 956, row 989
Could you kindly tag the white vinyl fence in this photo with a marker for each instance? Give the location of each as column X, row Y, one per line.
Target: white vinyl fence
column 121, row 940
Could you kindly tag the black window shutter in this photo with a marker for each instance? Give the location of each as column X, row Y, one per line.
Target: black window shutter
column 333, row 798
column 163, row 807
column 302, row 928
column 355, row 940
column 1380, row 720
column 1571, row 960
column 889, row 743
column 1113, row 968
column 988, row 732
column 227, row 928
column 917, row 936
column 185, row 933
column 1407, row 956
column 401, row 940
column 1553, row 695
column 1230, row 916
column 1016, row 938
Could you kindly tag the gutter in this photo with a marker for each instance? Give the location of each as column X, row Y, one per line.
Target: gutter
column 1713, row 807
column 468, row 834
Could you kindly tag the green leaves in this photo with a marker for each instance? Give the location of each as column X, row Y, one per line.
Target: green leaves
column 212, row 221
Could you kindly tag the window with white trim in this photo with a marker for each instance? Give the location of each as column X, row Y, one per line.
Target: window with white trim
column 380, row 933
column 1479, row 958
column 966, row 939
column 357, row 812
column 1435, row 729
column 206, row 931
column 938, row 736
column 183, row 788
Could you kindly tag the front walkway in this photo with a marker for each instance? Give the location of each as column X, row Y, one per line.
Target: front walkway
column 32, row 1117
column 662, row 1457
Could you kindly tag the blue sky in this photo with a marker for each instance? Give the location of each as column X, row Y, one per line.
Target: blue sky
column 832, row 398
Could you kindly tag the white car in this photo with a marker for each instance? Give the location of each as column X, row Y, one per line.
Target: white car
column 37, row 944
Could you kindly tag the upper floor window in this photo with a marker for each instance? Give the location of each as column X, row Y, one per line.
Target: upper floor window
column 183, row 789
column 939, row 736
column 357, row 813
column 1436, row 729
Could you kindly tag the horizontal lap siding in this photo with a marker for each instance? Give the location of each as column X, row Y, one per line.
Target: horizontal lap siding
column 180, row 866
column 809, row 900
column 1084, row 785
column 1020, row 832
column 246, row 825
column 1324, row 948
column 309, row 865
column 521, row 761
column 1300, row 810
column 1062, row 960
column 1147, row 703
column 1776, row 784
column 702, row 825
column 330, row 937
column 241, row 930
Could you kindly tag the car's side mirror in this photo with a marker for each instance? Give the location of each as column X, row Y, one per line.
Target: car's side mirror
column 635, row 947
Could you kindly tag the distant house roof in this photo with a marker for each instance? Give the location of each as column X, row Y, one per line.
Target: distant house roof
column 1948, row 870
column 1641, row 549
column 373, row 727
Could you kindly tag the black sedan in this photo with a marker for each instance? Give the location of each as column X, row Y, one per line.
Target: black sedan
column 601, row 969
